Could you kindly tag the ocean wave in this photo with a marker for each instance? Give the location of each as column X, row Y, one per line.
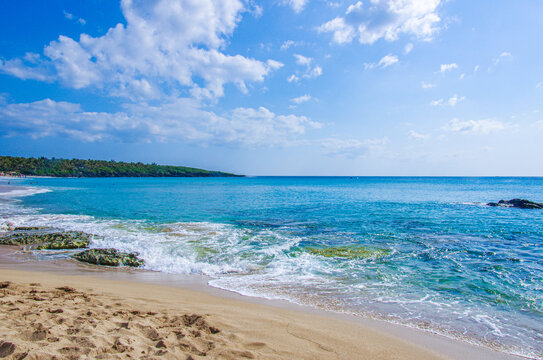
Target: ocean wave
column 17, row 192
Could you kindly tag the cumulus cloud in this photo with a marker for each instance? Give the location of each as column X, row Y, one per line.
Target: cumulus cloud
column 447, row 67
column 352, row 147
column 408, row 48
column 385, row 19
column 385, row 62
column 164, row 45
column 183, row 119
column 474, row 126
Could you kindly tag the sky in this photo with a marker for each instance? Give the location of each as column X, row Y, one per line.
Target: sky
column 278, row 87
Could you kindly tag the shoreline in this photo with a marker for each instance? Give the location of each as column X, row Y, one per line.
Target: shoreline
column 442, row 345
column 388, row 340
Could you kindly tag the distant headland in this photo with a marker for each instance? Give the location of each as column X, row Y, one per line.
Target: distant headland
column 20, row 166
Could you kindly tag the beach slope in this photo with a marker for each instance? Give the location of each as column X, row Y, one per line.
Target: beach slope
column 44, row 315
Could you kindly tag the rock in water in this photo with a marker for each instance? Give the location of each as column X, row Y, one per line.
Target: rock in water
column 54, row 241
column 109, row 257
column 517, row 203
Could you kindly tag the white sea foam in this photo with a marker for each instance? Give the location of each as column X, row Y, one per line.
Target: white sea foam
column 22, row 192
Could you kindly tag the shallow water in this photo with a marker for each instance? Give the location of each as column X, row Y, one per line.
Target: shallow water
column 424, row 252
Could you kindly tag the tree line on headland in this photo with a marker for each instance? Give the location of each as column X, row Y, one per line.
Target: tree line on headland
column 97, row 168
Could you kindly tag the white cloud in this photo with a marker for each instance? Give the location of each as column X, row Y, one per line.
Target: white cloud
column 309, row 72
column 67, row 15
column 455, row 99
column 418, row 136
column 385, row 62
column 274, row 64
column 474, row 126
column 427, row 85
column 28, row 68
column 293, row 78
column 386, row 19
column 462, row 76
column 301, row 99
column 388, row 60
column 302, row 60
column 287, row 44
column 70, row 16
column 163, row 46
column 447, row 67
column 475, row 69
column 539, row 84
column 408, row 48
column 296, row 5
column 503, row 56
column 452, row 101
column 352, row 147
column 183, row 119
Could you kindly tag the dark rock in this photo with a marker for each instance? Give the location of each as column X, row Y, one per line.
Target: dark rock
column 56, row 240
column 6, row 348
column 517, row 203
column 109, row 257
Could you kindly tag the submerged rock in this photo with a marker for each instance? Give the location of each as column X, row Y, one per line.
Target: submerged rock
column 348, row 252
column 56, row 240
column 109, row 257
column 517, row 203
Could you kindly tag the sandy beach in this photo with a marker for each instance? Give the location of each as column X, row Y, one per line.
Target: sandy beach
column 65, row 310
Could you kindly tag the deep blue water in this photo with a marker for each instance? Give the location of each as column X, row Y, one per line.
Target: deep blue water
column 425, row 252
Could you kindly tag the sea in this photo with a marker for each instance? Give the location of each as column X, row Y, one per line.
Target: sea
column 419, row 251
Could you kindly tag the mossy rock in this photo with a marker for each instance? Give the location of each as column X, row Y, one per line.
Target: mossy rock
column 65, row 244
column 349, row 252
column 56, row 240
column 30, row 228
column 109, row 257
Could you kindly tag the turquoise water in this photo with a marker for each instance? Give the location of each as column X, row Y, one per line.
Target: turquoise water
column 424, row 252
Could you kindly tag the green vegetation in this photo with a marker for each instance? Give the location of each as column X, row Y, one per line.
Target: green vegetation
column 97, row 168
column 348, row 252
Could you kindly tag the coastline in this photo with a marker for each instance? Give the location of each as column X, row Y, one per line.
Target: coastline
column 339, row 332
column 281, row 329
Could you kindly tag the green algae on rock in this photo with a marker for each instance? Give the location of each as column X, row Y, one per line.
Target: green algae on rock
column 109, row 257
column 349, row 252
column 30, row 228
column 55, row 240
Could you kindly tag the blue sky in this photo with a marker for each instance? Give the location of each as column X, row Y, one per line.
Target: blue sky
column 286, row 87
